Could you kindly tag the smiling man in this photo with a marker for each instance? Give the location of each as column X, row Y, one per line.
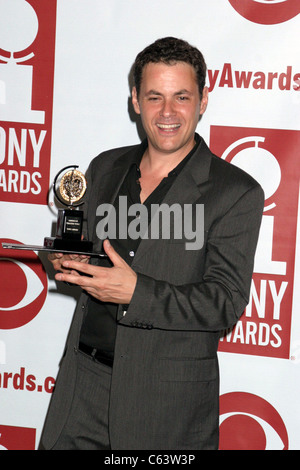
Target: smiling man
column 140, row 369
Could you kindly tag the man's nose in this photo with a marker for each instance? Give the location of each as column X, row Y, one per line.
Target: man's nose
column 167, row 108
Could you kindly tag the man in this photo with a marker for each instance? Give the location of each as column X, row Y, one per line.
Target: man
column 140, row 369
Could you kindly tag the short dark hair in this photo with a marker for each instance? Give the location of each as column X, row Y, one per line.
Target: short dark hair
column 170, row 50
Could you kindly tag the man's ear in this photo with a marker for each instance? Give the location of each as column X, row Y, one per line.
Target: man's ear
column 204, row 101
column 135, row 101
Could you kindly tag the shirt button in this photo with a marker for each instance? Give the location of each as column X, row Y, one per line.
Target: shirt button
column 131, row 253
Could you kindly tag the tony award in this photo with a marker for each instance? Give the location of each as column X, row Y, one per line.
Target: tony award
column 69, row 188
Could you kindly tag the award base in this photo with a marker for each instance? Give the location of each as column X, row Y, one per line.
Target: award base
column 68, row 237
column 73, row 246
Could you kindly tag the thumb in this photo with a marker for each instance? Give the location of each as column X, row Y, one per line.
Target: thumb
column 114, row 257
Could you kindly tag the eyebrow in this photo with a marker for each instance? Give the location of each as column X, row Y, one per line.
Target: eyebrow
column 180, row 92
column 153, row 92
column 183, row 92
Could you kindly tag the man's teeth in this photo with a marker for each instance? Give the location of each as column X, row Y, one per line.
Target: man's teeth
column 168, row 126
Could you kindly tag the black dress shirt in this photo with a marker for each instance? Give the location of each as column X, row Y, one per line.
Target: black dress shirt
column 99, row 327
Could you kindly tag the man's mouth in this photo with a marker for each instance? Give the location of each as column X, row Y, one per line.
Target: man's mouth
column 168, row 127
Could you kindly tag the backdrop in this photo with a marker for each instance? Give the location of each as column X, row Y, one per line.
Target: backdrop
column 64, row 98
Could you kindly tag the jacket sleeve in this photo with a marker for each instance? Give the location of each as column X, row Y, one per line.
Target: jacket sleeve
column 219, row 299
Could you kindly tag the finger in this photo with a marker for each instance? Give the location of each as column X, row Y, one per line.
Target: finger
column 75, row 273
column 54, row 256
column 82, row 281
column 82, row 267
column 115, row 258
column 78, row 257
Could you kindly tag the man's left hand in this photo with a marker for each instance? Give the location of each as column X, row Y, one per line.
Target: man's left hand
column 115, row 284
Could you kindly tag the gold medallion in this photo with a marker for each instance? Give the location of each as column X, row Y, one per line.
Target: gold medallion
column 72, row 186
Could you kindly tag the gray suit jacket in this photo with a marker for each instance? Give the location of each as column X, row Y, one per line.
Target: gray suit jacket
column 165, row 382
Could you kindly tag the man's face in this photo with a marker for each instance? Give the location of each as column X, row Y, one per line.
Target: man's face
column 169, row 104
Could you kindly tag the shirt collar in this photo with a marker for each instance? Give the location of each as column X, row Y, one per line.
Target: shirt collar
column 175, row 170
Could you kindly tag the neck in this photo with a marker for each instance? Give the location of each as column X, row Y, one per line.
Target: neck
column 161, row 163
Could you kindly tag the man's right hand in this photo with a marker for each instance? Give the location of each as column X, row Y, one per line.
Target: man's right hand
column 58, row 258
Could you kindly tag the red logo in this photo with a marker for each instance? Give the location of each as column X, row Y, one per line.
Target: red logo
column 271, row 157
column 16, row 438
column 267, row 11
column 23, row 287
column 248, row 422
column 27, row 46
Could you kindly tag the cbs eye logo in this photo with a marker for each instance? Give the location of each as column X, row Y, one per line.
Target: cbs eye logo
column 23, row 287
column 248, row 422
column 266, row 11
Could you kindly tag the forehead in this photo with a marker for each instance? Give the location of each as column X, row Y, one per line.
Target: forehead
column 179, row 75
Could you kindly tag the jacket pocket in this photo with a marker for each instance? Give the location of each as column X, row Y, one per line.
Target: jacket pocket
column 188, row 369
